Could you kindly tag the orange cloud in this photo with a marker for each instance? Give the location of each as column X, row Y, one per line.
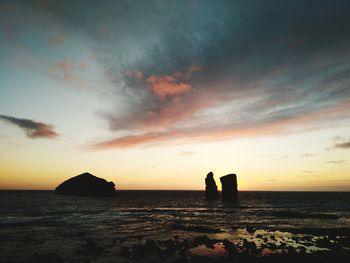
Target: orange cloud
column 167, row 85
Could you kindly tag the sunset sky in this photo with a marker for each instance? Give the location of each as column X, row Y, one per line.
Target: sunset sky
column 155, row 94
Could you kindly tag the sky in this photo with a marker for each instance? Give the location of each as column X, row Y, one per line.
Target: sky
column 156, row 94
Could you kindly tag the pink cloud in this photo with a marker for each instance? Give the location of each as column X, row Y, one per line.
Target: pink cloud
column 130, row 141
column 167, row 85
column 207, row 133
column 170, row 85
column 171, row 112
column 178, row 110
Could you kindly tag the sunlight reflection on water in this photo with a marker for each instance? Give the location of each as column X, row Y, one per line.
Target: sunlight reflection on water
column 217, row 250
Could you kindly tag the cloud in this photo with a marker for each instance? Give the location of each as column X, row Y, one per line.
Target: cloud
column 216, row 131
column 210, row 71
column 137, row 74
column 64, row 67
column 186, row 153
column 336, row 161
column 167, row 85
column 83, row 66
column 129, row 141
column 72, row 72
column 56, row 40
column 32, row 128
column 344, row 145
column 171, row 85
column 247, row 80
column 281, row 158
column 307, row 155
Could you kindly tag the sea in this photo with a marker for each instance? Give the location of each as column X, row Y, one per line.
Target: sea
column 90, row 229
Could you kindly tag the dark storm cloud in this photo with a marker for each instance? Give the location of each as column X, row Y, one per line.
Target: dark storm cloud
column 32, row 128
column 266, row 66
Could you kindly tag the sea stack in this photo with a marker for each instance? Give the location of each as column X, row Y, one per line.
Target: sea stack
column 86, row 184
column 211, row 190
column 229, row 187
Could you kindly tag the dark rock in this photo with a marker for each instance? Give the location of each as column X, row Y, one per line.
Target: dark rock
column 291, row 250
column 250, row 229
column 250, row 245
column 211, row 190
column 92, row 248
column 50, row 257
column 151, row 247
column 230, row 248
column 185, row 245
column 229, row 187
column 205, row 240
column 86, row 185
column 170, row 248
column 90, row 244
column 124, row 252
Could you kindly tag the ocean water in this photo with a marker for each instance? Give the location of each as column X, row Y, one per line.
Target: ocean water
column 42, row 222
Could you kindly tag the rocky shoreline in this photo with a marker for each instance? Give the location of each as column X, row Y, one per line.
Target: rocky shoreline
column 260, row 245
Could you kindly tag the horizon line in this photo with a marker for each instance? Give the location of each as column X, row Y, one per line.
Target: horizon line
column 198, row 190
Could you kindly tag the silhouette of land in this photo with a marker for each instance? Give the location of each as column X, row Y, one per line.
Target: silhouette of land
column 228, row 184
column 86, row 184
column 211, row 190
column 229, row 187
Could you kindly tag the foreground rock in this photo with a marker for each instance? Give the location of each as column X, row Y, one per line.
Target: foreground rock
column 229, row 187
column 211, row 190
column 86, row 184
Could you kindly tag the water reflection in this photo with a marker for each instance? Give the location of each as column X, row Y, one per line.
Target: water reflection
column 32, row 221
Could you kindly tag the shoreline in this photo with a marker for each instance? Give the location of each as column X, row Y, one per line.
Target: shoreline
column 263, row 245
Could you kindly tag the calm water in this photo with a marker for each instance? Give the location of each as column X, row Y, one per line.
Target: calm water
column 40, row 221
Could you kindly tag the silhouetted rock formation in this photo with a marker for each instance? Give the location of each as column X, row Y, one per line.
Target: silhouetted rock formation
column 211, row 190
column 229, row 187
column 86, row 184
